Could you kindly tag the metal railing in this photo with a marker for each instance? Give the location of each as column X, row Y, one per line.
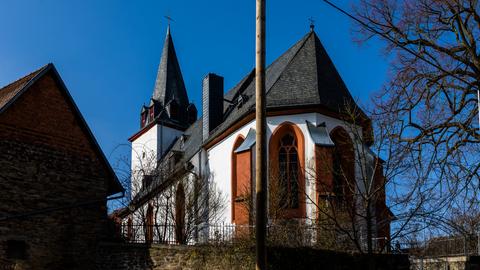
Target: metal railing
column 182, row 235
column 441, row 246
column 225, row 234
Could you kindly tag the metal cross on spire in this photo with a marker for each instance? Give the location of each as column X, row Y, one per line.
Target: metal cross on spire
column 312, row 23
column 169, row 19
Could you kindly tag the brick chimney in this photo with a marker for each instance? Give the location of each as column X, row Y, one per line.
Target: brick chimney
column 212, row 96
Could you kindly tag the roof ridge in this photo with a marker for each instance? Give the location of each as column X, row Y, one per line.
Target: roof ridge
column 12, row 92
column 344, row 89
column 25, row 76
column 304, row 41
column 37, row 75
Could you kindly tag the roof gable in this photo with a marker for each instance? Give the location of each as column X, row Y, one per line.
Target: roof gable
column 10, row 92
column 17, row 92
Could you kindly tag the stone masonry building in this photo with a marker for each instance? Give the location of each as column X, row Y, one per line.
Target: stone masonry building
column 54, row 178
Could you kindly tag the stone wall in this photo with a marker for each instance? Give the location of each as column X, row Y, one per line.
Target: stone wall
column 140, row 257
column 33, row 179
column 446, row 262
column 132, row 256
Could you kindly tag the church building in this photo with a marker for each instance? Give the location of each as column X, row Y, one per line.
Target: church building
column 191, row 173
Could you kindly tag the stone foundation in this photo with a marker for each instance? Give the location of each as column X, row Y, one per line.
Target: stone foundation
column 140, row 257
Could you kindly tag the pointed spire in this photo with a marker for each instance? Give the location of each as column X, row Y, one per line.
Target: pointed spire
column 169, row 84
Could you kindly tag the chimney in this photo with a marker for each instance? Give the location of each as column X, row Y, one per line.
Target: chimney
column 212, row 95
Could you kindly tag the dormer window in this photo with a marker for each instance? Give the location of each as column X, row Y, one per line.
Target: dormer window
column 183, row 139
column 241, row 100
column 143, row 119
column 151, row 114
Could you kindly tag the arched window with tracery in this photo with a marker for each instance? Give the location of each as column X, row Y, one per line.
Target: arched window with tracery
column 288, row 171
column 287, row 159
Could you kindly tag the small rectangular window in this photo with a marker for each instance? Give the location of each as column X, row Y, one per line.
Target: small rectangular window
column 17, row 250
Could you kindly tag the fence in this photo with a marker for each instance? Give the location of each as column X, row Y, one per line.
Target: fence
column 174, row 235
column 278, row 235
column 441, row 246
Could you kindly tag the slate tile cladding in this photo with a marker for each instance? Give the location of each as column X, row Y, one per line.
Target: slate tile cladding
column 302, row 76
column 212, row 96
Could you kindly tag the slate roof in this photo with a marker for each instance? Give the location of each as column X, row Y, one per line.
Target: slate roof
column 303, row 76
column 191, row 143
column 11, row 92
column 169, row 84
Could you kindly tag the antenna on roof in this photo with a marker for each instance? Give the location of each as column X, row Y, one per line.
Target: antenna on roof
column 312, row 23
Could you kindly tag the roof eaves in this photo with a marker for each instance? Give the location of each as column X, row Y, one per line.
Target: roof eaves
column 117, row 187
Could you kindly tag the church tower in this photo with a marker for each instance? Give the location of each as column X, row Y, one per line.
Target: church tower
column 169, row 103
column 168, row 114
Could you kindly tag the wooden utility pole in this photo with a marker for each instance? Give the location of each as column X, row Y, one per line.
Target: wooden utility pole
column 261, row 148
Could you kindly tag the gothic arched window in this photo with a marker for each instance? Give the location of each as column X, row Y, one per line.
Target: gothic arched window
column 288, row 171
column 287, row 163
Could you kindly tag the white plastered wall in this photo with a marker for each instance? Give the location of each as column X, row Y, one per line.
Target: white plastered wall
column 219, row 155
column 147, row 149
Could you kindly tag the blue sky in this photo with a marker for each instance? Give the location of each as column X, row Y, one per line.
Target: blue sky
column 108, row 51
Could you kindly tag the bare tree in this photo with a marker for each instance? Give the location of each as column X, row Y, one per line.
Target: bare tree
column 429, row 106
column 350, row 199
column 168, row 200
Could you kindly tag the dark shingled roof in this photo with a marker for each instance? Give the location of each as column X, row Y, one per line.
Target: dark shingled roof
column 10, row 93
column 191, row 142
column 169, row 84
column 303, row 76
